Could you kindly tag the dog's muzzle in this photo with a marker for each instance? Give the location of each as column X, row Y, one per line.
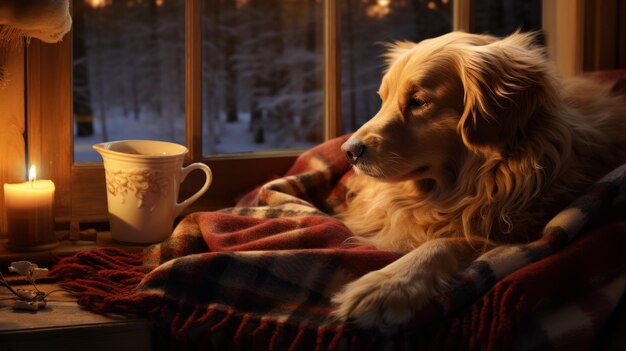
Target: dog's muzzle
column 354, row 149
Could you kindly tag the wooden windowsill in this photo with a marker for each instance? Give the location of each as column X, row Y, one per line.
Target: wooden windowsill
column 63, row 325
column 65, row 248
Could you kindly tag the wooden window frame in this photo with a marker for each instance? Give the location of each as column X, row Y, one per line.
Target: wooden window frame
column 81, row 191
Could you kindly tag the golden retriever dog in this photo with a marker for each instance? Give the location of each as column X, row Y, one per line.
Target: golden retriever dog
column 478, row 143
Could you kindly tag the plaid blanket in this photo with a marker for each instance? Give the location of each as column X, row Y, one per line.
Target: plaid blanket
column 260, row 275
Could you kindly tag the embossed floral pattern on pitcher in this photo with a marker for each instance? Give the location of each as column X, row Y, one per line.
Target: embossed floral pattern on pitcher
column 139, row 182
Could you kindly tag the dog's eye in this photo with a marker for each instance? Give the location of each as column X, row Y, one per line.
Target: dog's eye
column 417, row 103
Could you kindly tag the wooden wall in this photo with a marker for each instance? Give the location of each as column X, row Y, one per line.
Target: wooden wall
column 605, row 35
column 12, row 127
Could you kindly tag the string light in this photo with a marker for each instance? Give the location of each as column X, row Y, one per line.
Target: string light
column 98, row 3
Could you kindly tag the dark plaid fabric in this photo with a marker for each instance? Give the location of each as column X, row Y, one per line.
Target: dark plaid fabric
column 261, row 275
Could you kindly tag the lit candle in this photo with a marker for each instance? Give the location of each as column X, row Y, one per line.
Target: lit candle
column 30, row 214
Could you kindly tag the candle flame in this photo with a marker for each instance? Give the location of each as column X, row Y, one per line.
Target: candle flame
column 32, row 173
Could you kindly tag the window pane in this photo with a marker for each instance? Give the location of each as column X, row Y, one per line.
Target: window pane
column 129, row 78
column 366, row 24
column 262, row 75
column 502, row 17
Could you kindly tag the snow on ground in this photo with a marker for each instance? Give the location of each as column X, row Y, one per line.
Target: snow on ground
column 233, row 137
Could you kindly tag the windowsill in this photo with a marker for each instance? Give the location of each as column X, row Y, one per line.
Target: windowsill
column 63, row 325
column 65, row 248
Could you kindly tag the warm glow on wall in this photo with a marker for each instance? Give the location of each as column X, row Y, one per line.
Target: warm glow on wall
column 98, row 3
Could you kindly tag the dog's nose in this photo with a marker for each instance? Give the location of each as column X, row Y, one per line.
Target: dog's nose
column 353, row 149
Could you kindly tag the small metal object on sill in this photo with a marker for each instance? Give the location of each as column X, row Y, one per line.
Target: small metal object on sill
column 75, row 234
column 83, row 235
column 28, row 299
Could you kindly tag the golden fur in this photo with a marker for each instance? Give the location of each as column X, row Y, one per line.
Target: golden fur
column 478, row 143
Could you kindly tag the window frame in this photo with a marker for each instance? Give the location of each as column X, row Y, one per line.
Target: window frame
column 80, row 189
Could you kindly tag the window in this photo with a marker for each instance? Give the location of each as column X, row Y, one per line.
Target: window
column 307, row 99
column 262, row 75
column 129, row 72
column 502, row 17
column 366, row 25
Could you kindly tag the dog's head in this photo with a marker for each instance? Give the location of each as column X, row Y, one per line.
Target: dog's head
column 446, row 98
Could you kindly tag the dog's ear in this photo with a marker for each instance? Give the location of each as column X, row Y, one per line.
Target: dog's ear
column 504, row 83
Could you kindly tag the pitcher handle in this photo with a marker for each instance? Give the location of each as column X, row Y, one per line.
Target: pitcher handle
column 184, row 172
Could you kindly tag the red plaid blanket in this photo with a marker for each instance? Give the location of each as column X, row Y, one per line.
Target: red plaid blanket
column 261, row 275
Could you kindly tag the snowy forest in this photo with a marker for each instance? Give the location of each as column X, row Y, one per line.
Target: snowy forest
column 263, row 70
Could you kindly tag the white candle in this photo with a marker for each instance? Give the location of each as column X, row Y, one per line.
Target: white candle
column 30, row 214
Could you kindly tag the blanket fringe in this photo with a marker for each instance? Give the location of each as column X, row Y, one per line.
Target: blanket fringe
column 89, row 263
column 336, row 338
column 282, row 335
column 105, row 279
column 354, row 342
column 264, row 325
column 206, row 316
column 242, row 326
column 491, row 324
column 319, row 340
column 108, row 277
column 225, row 319
column 296, row 340
column 278, row 328
column 190, row 320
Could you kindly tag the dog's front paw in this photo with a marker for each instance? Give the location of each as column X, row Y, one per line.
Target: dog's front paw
column 381, row 299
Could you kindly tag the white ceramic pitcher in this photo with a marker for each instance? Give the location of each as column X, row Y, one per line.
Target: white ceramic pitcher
column 143, row 179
